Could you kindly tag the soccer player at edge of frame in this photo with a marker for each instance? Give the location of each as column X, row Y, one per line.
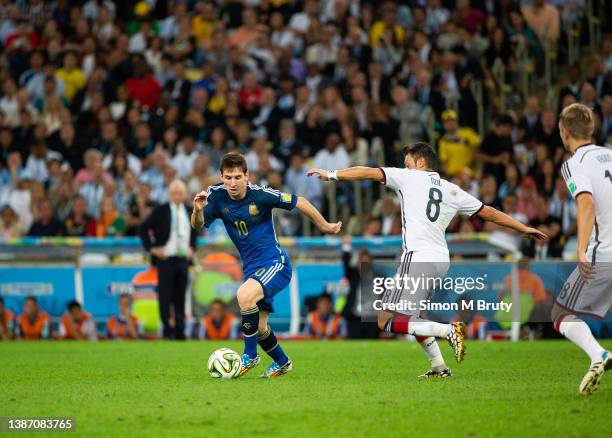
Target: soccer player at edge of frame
column 587, row 291
column 246, row 212
column 428, row 203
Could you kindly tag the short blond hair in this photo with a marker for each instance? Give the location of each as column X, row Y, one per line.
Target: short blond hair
column 578, row 120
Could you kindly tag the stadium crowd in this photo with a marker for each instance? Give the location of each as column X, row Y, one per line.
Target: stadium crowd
column 103, row 103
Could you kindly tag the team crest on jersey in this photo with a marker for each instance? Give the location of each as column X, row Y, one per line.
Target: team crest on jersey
column 226, row 210
column 285, row 197
column 572, row 187
column 253, row 210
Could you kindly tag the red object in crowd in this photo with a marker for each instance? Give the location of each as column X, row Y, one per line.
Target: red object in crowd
column 33, row 39
column 144, row 90
column 250, row 98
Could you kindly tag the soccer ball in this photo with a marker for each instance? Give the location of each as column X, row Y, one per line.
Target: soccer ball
column 224, row 364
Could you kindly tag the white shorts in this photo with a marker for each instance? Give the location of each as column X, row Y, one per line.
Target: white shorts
column 592, row 297
column 418, row 274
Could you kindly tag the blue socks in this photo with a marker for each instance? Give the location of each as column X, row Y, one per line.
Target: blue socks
column 269, row 344
column 250, row 325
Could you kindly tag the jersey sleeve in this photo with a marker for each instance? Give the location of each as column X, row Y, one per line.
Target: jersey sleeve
column 576, row 180
column 210, row 211
column 276, row 199
column 393, row 177
column 465, row 203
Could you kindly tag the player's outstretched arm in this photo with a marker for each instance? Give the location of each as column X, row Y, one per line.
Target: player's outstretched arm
column 310, row 211
column 349, row 174
column 197, row 216
column 502, row 219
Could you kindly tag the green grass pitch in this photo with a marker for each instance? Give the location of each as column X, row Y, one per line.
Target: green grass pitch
column 347, row 388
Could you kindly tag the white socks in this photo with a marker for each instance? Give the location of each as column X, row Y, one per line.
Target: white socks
column 431, row 348
column 577, row 331
column 423, row 327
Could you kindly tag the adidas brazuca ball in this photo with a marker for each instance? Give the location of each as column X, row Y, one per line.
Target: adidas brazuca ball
column 224, row 364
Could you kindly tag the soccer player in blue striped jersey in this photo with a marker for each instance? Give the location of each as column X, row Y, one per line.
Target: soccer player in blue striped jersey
column 246, row 212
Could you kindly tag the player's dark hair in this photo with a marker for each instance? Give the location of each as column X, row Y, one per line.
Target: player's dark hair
column 425, row 151
column 30, row 298
column 125, row 295
column 233, row 160
column 73, row 304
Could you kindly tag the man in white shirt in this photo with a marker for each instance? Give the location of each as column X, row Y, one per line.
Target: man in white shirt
column 334, row 156
column 428, row 204
column 168, row 236
column 184, row 159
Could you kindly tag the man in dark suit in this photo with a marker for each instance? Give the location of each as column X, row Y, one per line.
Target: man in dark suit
column 167, row 234
column 358, row 311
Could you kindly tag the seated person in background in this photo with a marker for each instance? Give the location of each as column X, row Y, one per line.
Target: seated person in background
column 532, row 284
column 323, row 323
column 219, row 323
column 33, row 323
column 125, row 325
column 77, row 324
column 7, row 322
column 476, row 324
column 79, row 223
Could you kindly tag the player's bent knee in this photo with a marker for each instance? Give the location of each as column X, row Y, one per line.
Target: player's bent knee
column 249, row 294
column 246, row 299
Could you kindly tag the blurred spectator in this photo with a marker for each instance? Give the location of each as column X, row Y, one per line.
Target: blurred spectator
column 125, row 325
column 359, row 308
column 457, row 146
column 7, row 322
column 10, row 226
column 496, row 149
column 511, row 181
column 543, row 18
column 527, row 198
column 489, row 192
column 111, row 222
column 33, row 323
column 300, row 184
column 323, row 323
column 79, row 223
column 333, row 156
column 47, row 224
column 531, row 283
column 287, row 144
column 549, row 225
column 77, row 324
column 71, row 75
column 529, row 124
column 219, row 323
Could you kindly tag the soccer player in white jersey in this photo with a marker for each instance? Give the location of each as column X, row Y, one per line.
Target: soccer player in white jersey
column 428, row 204
column 588, row 290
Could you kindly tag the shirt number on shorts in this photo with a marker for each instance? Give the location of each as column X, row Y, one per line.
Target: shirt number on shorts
column 433, row 206
column 608, row 175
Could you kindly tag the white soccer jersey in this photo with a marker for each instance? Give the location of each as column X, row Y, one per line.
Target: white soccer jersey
column 589, row 170
column 428, row 204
